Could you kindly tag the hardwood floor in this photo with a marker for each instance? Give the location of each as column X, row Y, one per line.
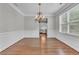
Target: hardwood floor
column 32, row 47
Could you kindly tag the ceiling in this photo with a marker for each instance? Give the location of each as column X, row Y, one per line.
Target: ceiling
column 31, row 9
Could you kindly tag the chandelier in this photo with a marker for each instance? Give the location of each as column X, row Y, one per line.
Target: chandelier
column 39, row 17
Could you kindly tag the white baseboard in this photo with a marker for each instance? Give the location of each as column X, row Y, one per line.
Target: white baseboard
column 31, row 34
column 72, row 41
column 9, row 38
column 35, row 34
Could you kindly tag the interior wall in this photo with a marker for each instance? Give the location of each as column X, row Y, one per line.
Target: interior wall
column 31, row 26
column 71, row 40
column 14, row 26
column 10, row 20
column 11, row 26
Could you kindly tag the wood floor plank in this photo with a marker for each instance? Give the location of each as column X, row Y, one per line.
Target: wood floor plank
column 30, row 46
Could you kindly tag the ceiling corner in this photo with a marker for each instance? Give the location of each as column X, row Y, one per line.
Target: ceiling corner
column 17, row 9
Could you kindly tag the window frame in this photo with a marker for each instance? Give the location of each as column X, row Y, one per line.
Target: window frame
column 68, row 22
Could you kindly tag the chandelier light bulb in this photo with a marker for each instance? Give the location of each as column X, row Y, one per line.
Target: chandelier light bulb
column 39, row 17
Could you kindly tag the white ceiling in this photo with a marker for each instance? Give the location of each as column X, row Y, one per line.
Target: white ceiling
column 31, row 9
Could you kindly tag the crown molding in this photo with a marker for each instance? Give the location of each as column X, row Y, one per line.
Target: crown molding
column 65, row 8
column 17, row 9
column 36, row 14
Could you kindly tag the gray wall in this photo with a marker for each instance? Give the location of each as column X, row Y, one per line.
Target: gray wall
column 11, row 24
column 10, row 20
column 32, row 26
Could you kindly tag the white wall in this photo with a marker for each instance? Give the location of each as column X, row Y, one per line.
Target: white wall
column 71, row 40
column 11, row 26
column 31, row 27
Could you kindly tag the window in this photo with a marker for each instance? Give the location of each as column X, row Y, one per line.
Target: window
column 63, row 22
column 74, row 13
column 69, row 21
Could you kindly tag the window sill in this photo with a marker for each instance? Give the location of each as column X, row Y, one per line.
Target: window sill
column 70, row 34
